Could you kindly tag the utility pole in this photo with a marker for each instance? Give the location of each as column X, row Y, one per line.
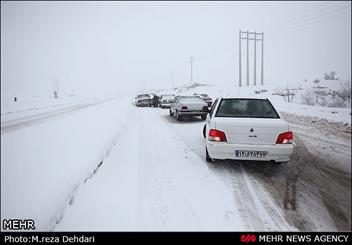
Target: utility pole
column 191, row 63
column 247, row 59
column 255, row 39
column 262, row 61
column 255, row 59
column 240, row 61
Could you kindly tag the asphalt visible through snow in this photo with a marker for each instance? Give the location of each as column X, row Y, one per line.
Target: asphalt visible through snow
column 313, row 189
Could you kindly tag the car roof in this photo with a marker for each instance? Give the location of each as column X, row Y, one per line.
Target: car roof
column 188, row 96
column 245, row 97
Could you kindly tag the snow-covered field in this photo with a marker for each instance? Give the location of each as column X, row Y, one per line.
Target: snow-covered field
column 108, row 165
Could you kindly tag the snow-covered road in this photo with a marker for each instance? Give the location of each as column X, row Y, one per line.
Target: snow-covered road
column 153, row 180
column 134, row 168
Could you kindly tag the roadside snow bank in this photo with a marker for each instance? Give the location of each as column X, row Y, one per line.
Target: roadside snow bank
column 43, row 165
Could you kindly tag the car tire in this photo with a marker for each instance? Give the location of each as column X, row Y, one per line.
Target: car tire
column 207, row 157
column 178, row 117
column 171, row 113
column 203, row 117
column 204, row 128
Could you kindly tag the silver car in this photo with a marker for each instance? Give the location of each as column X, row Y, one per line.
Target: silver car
column 166, row 100
column 206, row 98
column 143, row 100
column 186, row 106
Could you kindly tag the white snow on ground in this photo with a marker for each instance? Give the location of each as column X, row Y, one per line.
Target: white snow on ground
column 151, row 180
column 111, row 166
column 32, row 106
column 124, row 168
column 42, row 165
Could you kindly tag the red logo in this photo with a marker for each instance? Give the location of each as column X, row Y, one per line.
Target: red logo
column 248, row 238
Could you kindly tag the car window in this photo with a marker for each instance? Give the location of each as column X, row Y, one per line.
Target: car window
column 167, row 97
column 246, row 108
column 213, row 107
column 143, row 96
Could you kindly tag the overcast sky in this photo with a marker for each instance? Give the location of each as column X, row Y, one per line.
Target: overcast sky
column 107, row 48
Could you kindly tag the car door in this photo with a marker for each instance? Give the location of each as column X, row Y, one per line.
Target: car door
column 173, row 104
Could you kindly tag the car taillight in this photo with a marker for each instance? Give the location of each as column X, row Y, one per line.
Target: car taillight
column 285, row 138
column 205, row 108
column 184, row 108
column 217, row 135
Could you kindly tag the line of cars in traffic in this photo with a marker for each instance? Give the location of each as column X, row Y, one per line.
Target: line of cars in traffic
column 237, row 128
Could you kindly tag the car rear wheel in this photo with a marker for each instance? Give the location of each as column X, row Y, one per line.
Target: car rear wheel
column 178, row 117
column 203, row 117
column 171, row 113
column 207, row 157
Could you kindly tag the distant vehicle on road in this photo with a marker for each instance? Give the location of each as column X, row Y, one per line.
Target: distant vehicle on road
column 246, row 129
column 206, row 98
column 143, row 100
column 166, row 100
column 187, row 106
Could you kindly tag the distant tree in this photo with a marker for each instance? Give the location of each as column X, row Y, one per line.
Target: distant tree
column 345, row 91
column 320, row 96
column 287, row 94
column 307, row 98
column 331, row 76
column 326, row 76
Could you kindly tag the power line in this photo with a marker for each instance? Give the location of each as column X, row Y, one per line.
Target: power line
column 308, row 13
column 306, row 17
column 311, row 19
column 310, row 24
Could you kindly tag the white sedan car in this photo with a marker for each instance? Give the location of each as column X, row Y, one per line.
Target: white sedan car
column 187, row 106
column 246, row 129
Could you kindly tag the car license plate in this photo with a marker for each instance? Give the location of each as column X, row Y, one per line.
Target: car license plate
column 250, row 154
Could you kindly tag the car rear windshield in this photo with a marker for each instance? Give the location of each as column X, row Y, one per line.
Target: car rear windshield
column 191, row 99
column 168, row 97
column 246, row 108
column 143, row 96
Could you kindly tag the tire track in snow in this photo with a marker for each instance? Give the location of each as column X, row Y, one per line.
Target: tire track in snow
column 243, row 200
column 170, row 170
column 275, row 220
column 243, row 197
